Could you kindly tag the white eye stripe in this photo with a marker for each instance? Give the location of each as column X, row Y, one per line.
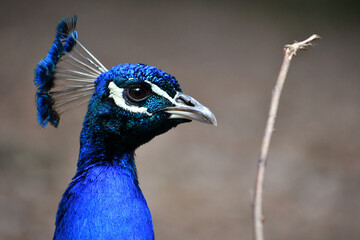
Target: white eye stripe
column 116, row 93
column 160, row 92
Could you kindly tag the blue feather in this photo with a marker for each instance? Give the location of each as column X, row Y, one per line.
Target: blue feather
column 45, row 112
column 66, row 26
column 64, row 41
column 70, row 42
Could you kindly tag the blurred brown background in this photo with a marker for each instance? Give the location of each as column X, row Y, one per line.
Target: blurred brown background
column 198, row 179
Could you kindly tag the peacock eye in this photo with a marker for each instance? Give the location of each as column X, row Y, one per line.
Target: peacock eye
column 137, row 93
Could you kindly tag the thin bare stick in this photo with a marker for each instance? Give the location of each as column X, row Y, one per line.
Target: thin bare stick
column 289, row 51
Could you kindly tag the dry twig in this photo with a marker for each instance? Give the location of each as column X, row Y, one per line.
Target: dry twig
column 289, row 51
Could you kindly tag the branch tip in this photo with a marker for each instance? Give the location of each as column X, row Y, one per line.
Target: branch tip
column 291, row 49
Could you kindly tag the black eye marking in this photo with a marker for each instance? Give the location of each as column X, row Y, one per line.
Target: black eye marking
column 137, row 93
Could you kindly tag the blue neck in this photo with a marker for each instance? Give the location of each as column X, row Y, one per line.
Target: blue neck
column 97, row 148
column 104, row 200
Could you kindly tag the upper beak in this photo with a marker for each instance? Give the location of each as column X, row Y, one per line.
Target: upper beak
column 186, row 107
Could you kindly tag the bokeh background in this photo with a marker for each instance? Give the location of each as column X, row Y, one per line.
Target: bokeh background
column 198, row 179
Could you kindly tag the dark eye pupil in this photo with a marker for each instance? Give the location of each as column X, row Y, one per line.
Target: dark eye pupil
column 137, row 93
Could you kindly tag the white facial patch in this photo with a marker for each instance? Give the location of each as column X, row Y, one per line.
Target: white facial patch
column 116, row 93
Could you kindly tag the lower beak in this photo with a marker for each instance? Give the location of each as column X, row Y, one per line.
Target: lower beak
column 186, row 107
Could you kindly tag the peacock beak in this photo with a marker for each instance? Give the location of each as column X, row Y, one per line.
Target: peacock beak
column 186, row 107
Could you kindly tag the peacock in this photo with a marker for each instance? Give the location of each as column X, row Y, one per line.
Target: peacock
column 128, row 105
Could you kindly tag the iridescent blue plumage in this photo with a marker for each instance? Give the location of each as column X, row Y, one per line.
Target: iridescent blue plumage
column 130, row 104
column 64, row 41
column 105, row 192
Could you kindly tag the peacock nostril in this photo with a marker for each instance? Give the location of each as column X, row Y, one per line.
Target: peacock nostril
column 186, row 100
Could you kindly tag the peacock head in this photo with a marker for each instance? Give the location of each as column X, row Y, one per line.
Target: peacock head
column 135, row 102
column 138, row 102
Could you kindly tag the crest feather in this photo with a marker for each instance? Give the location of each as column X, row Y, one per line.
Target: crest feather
column 65, row 77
